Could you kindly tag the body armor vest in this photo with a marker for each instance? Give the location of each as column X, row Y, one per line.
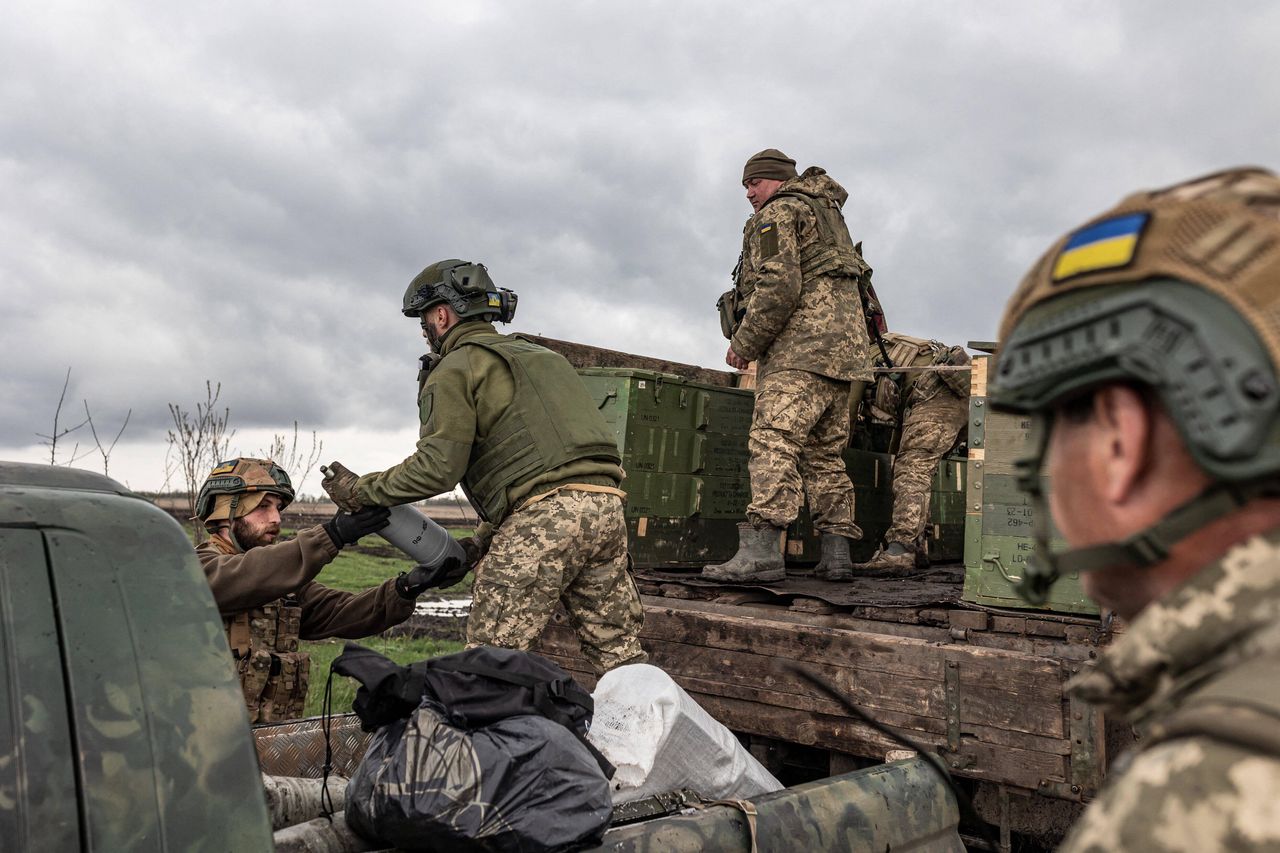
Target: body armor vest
column 834, row 252
column 915, row 386
column 274, row 675
column 551, row 422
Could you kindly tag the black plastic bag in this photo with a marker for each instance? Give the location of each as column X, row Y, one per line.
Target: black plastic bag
column 502, row 766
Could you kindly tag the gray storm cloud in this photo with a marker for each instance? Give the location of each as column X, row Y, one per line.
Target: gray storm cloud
column 242, row 193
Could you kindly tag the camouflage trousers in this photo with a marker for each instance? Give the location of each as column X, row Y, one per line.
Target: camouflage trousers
column 569, row 548
column 799, row 430
column 928, row 431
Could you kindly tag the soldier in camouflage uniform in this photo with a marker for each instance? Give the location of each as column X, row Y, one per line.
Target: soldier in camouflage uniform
column 266, row 590
column 513, row 424
column 795, row 310
column 1145, row 345
column 936, row 397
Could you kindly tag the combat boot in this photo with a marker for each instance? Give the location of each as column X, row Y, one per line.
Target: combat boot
column 895, row 558
column 759, row 558
column 834, row 565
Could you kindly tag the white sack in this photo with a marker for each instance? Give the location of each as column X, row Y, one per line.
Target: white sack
column 661, row 740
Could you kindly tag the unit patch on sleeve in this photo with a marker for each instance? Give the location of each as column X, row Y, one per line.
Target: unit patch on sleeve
column 1104, row 245
column 768, row 240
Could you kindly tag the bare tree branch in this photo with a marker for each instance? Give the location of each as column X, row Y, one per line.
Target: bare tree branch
column 51, row 440
column 199, row 441
column 105, row 451
column 288, row 455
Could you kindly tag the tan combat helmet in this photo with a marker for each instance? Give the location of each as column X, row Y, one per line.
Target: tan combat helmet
column 1175, row 290
column 234, row 489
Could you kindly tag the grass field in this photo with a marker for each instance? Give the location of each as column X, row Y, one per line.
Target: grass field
column 355, row 571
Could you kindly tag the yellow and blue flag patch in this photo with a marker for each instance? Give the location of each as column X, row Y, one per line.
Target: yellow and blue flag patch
column 1102, row 246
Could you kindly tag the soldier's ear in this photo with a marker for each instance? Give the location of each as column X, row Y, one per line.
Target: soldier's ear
column 1126, row 432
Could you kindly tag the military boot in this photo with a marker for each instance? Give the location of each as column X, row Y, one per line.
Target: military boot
column 834, row 565
column 759, row 558
column 895, row 558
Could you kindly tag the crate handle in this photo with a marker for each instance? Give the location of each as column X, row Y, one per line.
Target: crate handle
column 612, row 395
column 995, row 560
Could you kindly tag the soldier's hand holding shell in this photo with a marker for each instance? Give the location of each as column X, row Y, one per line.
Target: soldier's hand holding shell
column 340, row 483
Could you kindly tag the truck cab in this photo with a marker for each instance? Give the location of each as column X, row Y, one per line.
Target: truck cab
column 122, row 726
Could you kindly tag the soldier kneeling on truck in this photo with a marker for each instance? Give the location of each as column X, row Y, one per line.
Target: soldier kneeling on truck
column 266, row 590
column 933, row 388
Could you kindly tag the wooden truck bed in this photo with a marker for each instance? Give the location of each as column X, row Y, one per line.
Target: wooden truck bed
column 984, row 687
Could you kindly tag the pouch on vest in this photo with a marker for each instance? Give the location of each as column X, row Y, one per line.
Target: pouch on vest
column 730, row 313
column 887, row 399
column 481, row 750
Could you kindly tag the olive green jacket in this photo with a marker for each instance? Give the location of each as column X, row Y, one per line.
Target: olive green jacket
column 464, row 397
column 250, row 579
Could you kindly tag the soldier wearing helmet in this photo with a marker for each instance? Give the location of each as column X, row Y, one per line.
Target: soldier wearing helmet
column 511, row 422
column 1146, row 346
column 266, row 590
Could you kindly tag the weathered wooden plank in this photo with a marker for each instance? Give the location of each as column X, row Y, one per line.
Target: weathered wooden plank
column 777, row 696
column 1033, row 679
column 873, row 690
column 864, row 741
column 582, row 355
column 997, row 688
column 1001, row 763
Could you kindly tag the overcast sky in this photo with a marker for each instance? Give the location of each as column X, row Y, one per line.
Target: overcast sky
column 241, row 193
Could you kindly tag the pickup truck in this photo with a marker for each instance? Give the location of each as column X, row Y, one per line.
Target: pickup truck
column 122, row 726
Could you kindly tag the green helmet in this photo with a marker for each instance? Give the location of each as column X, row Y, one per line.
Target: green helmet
column 465, row 286
column 234, row 489
column 1176, row 291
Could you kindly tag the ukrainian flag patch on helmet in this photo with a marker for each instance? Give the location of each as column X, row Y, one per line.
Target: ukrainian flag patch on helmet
column 1105, row 245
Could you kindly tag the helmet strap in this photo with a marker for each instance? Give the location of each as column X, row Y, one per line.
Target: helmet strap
column 1141, row 550
column 231, row 524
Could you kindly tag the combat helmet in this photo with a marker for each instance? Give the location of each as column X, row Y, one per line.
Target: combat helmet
column 465, row 286
column 1176, row 291
column 234, row 489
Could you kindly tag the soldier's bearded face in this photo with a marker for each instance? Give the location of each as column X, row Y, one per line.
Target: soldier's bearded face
column 760, row 190
column 431, row 330
column 260, row 527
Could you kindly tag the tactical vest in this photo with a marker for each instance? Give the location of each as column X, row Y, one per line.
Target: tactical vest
column 904, row 352
column 274, row 675
column 833, row 252
column 1240, row 707
column 551, row 422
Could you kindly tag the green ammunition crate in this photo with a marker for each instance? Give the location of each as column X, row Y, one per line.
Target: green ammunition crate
column 686, row 495
column 999, row 521
column 684, row 448
column 631, row 399
column 684, row 520
column 683, row 451
column 946, row 511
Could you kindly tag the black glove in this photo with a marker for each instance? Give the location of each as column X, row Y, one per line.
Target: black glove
column 473, row 549
column 419, row 579
column 345, row 528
